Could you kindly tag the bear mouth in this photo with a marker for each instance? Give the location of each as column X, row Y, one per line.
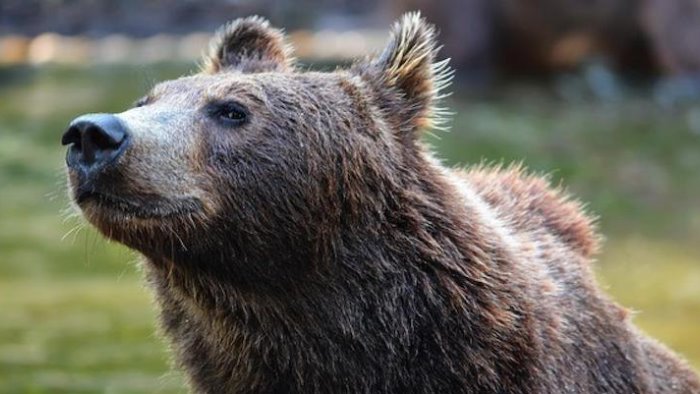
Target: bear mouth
column 142, row 207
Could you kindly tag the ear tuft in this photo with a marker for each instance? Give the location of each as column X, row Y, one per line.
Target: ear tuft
column 407, row 66
column 248, row 45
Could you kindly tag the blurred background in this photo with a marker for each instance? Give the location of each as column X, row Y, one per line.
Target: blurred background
column 603, row 95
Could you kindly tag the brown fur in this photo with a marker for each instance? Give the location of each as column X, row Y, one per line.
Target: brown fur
column 323, row 250
column 529, row 203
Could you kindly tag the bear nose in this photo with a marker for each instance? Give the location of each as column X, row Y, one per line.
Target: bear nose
column 96, row 140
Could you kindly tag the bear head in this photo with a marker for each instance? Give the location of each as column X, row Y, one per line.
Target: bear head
column 257, row 167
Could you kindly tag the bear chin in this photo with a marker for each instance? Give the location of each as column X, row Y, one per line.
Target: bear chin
column 137, row 208
column 135, row 222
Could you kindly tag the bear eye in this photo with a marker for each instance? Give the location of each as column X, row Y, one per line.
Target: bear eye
column 230, row 113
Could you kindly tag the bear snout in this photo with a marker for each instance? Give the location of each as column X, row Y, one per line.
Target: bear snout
column 96, row 141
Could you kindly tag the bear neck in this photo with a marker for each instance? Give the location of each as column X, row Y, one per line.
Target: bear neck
column 423, row 225
column 427, row 253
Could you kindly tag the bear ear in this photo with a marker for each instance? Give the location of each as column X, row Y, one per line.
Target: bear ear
column 406, row 76
column 247, row 45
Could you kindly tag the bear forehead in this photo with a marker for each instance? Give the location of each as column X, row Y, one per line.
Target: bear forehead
column 254, row 86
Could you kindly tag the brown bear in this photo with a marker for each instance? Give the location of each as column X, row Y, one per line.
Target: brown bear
column 300, row 238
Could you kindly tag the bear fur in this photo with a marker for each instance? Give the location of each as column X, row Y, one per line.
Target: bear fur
column 304, row 240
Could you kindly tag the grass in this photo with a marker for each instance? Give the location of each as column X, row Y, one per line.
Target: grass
column 660, row 282
column 74, row 317
column 82, row 335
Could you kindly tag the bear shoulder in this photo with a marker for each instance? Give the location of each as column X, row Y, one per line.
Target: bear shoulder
column 529, row 203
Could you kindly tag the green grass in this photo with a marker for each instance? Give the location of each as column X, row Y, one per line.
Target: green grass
column 659, row 281
column 74, row 317
column 81, row 335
